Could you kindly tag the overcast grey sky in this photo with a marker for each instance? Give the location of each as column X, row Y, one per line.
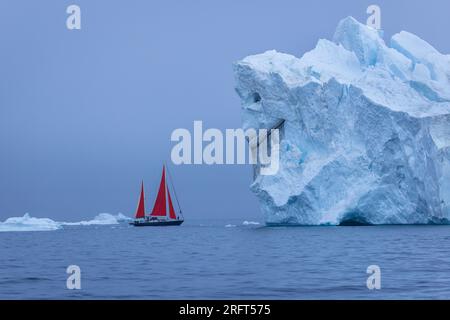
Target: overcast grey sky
column 85, row 114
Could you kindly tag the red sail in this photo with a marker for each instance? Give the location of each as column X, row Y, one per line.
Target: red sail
column 172, row 214
column 159, row 209
column 140, row 212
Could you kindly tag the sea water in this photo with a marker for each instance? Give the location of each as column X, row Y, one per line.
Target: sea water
column 226, row 259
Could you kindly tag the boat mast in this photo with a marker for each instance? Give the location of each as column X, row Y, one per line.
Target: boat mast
column 174, row 191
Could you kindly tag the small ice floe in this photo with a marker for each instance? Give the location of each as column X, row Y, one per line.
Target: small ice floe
column 248, row 223
column 230, row 226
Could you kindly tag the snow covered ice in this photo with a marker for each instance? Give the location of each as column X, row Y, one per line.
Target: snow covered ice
column 366, row 133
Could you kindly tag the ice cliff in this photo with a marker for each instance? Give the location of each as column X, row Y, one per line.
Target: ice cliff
column 366, row 133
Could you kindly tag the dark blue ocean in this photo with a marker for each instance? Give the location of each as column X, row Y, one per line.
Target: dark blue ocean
column 207, row 260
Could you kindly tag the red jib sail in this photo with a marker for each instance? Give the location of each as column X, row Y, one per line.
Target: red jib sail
column 140, row 212
column 172, row 214
column 159, row 209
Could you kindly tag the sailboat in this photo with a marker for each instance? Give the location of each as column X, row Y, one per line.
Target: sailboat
column 163, row 213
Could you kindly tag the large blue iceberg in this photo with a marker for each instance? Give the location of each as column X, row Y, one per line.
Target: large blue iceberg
column 366, row 131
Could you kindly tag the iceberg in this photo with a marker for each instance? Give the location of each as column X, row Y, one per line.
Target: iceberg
column 101, row 219
column 28, row 223
column 365, row 134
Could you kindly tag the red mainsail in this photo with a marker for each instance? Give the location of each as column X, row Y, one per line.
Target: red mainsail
column 140, row 212
column 159, row 209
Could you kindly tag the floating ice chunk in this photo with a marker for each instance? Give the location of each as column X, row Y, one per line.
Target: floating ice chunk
column 28, row 223
column 100, row 219
column 248, row 223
